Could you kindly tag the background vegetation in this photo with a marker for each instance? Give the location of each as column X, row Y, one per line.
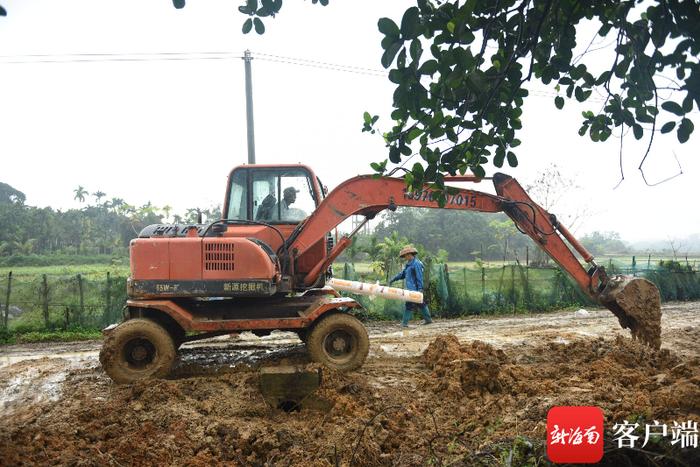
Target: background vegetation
column 66, row 271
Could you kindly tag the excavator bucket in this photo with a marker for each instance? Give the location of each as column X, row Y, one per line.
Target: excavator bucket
column 637, row 304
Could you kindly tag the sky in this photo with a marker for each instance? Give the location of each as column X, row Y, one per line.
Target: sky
column 170, row 131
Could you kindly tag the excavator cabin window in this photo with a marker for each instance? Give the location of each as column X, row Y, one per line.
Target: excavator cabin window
column 271, row 195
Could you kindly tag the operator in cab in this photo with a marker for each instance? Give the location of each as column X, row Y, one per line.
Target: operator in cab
column 283, row 211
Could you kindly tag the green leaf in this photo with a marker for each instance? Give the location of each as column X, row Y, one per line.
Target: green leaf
column 394, row 155
column 478, row 171
column 416, row 50
column 259, row 26
column 559, row 102
column 638, row 131
column 498, row 158
column 388, row 28
column 512, row 159
column 451, row 27
column 672, row 107
column 390, row 53
column 367, row 117
column 418, row 171
column 247, row 26
column 688, row 103
column 176, row 3
column 413, row 134
column 668, row 127
column 684, row 130
column 410, row 23
column 428, row 68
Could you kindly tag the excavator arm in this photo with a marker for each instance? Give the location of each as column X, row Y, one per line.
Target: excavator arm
column 634, row 301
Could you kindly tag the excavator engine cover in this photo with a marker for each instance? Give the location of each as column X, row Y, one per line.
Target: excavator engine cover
column 637, row 305
column 194, row 266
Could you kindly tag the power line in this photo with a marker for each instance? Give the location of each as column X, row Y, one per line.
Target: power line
column 116, row 57
column 262, row 56
column 216, row 55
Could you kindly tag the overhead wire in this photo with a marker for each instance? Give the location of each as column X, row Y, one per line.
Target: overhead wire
column 220, row 55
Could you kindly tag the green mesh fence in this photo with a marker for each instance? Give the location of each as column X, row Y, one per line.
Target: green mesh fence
column 94, row 300
column 41, row 302
column 514, row 288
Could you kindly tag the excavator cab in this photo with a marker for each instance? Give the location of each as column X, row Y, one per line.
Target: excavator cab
column 277, row 195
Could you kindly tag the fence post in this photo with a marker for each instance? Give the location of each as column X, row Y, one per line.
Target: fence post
column 500, row 285
column 108, row 292
column 7, row 298
column 649, row 262
column 464, row 274
column 446, row 306
column 527, row 256
column 45, row 299
column 82, row 300
column 512, row 286
column 427, row 295
column 483, row 285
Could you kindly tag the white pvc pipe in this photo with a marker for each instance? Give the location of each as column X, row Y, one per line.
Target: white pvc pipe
column 363, row 288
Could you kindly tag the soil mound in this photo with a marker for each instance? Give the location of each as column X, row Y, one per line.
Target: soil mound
column 466, row 368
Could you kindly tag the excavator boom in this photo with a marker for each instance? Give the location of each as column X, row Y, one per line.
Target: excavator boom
column 635, row 301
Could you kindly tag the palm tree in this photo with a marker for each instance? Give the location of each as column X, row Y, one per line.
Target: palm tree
column 116, row 204
column 80, row 193
column 98, row 196
column 167, row 209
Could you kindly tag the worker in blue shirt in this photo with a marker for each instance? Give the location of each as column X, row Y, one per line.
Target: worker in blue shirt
column 413, row 274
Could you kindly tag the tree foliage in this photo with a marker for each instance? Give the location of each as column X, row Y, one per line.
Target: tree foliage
column 461, row 70
column 105, row 227
column 600, row 243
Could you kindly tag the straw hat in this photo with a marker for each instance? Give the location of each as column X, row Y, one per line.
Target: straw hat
column 407, row 250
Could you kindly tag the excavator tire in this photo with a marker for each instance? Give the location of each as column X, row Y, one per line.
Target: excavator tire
column 637, row 304
column 339, row 341
column 137, row 349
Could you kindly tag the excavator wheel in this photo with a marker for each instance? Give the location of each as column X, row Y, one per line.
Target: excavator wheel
column 137, row 349
column 339, row 341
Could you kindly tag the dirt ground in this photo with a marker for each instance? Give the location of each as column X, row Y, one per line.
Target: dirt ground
column 459, row 392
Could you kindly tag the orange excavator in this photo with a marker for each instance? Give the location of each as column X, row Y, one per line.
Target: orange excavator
column 263, row 267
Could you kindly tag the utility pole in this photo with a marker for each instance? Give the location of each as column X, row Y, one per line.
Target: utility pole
column 249, row 106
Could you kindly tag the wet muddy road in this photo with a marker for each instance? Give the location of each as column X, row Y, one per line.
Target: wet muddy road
column 58, row 407
column 680, row 322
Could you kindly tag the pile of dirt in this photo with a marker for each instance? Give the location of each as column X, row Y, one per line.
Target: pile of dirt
column 469, row 368
column 461, row 402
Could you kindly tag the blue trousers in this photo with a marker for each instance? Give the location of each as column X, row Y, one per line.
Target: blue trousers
column 408, row 312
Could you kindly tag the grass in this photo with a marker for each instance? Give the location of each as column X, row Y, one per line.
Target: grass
column 70, row 335
column 89, row 271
